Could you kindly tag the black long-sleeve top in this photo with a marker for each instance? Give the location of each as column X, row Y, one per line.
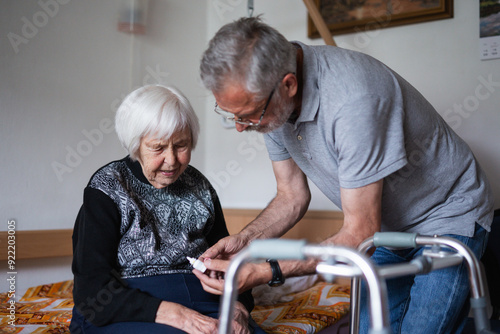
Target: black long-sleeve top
column 126, row 228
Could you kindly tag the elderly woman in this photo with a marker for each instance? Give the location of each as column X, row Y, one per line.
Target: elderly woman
column 141, row 217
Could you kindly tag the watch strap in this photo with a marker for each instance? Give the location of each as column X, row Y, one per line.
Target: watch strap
column 277, row 278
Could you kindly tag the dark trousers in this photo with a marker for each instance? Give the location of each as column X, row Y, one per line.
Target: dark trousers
column 184, row 289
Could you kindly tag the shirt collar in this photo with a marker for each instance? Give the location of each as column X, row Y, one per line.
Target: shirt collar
column 310, row 89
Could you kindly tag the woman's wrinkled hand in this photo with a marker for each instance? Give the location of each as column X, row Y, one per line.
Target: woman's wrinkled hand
column 185, row 319
column 240, row 319
column 250, row 275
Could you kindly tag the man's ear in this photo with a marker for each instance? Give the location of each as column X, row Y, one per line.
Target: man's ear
column 291, row 84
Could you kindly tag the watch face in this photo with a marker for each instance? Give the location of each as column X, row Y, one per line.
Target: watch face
column 275, row 283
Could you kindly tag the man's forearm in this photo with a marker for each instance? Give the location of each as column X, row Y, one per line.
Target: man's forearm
column 277, row 218
column 350, row 235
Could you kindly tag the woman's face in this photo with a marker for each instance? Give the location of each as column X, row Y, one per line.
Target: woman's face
column 163, row 161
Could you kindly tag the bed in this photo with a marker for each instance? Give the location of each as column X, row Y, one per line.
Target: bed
column 302, row 305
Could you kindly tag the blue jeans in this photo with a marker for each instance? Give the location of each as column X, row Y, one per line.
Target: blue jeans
column 184, row 289
column 437, row 302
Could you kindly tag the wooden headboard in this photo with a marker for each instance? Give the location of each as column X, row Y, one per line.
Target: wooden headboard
column 315, row 227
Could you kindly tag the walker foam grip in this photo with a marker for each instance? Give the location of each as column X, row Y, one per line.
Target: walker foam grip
column 278, row 249
column 395, row 239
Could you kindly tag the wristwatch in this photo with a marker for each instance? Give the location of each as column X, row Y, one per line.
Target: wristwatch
column 278, row 278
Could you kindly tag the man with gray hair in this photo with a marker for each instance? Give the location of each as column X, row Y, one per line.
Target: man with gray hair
column 370, row 142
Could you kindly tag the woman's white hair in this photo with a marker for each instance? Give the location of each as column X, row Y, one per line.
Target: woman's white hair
column 157, row 111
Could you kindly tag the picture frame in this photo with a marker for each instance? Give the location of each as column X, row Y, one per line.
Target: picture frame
column 350, row 16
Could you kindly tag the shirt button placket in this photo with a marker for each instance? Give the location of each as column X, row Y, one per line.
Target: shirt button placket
column 305, row 149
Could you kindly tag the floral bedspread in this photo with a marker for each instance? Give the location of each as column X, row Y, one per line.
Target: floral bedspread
column 42, row 309
column 47, row 309
column 305, row 312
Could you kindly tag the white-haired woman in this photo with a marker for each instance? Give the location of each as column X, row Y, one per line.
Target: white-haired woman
column 141, row 217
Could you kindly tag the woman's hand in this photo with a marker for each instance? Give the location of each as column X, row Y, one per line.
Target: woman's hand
column 217, row 259
column 240, row 319
column 185, row 319
column 250, row 275
column 192, row 322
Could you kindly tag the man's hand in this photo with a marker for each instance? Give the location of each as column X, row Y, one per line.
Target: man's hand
column 226, row 247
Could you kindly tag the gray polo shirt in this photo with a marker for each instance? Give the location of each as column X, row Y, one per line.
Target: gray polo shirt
column 360, row 122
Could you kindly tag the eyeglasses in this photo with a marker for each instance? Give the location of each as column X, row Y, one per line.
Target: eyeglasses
column 230, row 116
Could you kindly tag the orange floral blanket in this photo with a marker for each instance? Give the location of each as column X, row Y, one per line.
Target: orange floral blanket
column 43, row 309
column 308, row 311
column 46, row 309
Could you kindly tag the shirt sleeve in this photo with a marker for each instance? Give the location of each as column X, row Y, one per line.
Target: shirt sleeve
column 370, row 141
column 275, row 149
column 100, row 295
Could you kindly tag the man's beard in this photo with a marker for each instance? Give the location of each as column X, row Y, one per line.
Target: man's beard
column 281, row 112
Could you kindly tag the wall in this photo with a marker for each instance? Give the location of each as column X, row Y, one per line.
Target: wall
column 65, row 68
column 440, row 58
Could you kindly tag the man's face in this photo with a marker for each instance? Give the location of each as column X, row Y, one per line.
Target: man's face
column 237, row 101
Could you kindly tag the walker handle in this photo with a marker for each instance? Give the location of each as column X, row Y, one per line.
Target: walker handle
column 395, row 239
column 279, row 249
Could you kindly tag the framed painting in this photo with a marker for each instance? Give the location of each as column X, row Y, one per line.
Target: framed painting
column 348, row 16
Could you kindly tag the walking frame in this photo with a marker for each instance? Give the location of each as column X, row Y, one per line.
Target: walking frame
column 346, row 262
column 343, row 261
column 443, row 252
